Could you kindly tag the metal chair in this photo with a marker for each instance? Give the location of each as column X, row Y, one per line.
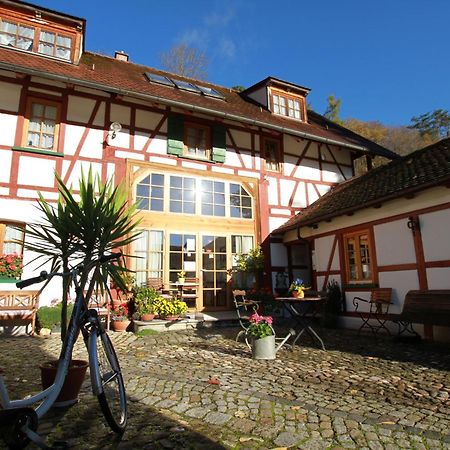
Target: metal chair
column 379, row 303
column 101, row 304
column 244, row 309
column 158, row 285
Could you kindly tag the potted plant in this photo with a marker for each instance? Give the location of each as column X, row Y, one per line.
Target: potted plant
column 10, row 266
column 262, row 336
column 297, row 288
column 333, row 304
column 251, row 263
column 81, row 228
column 120, row 317
column 169, row 309
column 181, row 276
column 143, row 303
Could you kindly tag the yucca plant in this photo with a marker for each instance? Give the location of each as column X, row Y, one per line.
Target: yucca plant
column 81, row 228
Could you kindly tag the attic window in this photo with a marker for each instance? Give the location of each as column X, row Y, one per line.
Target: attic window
column 210, row 92
column 288, row 105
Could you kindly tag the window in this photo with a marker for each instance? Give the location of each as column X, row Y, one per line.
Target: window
column 35, row 39
column 287, row 105
column 241, row 245
column 189, row 195
column 240, row 202
column 42, row 124
column 11, row 249
column 213, row 198
column 214, row 267
column 197, row 141
column 272, row 154
column 149, row 256
column 182, row 195
column 358, row 257
column 150, row 193
column 182, row 255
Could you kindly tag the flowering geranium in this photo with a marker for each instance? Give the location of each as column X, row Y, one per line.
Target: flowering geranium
column 11, row 266
column 260, row 326
column 120, row 312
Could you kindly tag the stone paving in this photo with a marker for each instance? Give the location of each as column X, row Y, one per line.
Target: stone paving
column 202, row 390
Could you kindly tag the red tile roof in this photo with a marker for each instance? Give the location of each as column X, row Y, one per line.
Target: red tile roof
column 415, row 172
column 128, row 78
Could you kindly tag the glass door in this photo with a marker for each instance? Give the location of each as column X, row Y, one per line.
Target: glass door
column 214, row 268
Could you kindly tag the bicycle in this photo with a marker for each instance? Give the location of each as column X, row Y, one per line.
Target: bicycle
column 20, row 419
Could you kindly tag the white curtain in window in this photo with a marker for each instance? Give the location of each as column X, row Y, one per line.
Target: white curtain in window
column 46, row 36
column 45, row 49
column 47, row 141
column 64, row 41
column 12, row 234
column 155, row 253
column 63, row 53
column 33, row 139
column 26, row 32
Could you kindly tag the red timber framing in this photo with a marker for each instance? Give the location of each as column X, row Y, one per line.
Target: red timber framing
column 420, row 266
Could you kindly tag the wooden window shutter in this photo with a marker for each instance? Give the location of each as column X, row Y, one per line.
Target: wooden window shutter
column 219, row 144
column 175, row 129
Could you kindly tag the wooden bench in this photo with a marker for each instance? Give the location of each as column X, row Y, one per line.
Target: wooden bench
column 19, row 307
column 427, row 307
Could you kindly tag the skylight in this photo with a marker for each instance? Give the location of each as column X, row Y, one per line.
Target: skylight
column 210, row 92
column 160, row 79
column 184, row 85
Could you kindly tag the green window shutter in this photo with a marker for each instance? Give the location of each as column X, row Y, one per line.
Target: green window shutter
column 175, row 129
column 219, row 144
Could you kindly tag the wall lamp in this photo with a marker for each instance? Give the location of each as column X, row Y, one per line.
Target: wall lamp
column 413, row 223
column 114, row 128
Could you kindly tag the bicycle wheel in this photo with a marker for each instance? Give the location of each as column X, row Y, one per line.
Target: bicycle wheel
column 107, row 381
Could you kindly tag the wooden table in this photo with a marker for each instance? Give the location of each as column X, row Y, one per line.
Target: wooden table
column 303, row 311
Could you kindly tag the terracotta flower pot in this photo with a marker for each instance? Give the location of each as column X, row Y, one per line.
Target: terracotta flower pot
column 72, row 384
column 147, row 317
column 172, row 318
column 120, row 325
column 298, row 294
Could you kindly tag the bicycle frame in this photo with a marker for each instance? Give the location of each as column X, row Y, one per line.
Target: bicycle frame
column 49, row 395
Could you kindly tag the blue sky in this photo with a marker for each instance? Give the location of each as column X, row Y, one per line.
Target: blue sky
column 388, row 60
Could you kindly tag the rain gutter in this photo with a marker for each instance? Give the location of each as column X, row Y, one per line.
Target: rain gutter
column 200, row 109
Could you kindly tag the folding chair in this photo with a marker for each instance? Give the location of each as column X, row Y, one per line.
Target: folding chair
column 244, row 309
column 101, row 305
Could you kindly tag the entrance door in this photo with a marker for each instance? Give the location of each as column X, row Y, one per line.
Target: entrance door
column 214, row 269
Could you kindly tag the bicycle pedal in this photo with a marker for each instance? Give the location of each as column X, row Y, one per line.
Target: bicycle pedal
column 60, row 445
column 292, row 332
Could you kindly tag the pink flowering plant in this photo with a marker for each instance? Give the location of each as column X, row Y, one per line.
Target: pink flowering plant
column 11, row 266
column 260, row 326
column 121, row 312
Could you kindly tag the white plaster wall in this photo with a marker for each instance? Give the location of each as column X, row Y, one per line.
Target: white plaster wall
column 120, row 114
column 93, row 144
column 331, row 173
column 232, row 158
column 312, row 193
column 276, row 222
column 401, row 282
column 140, row 139
column 158, row 145
column 99, row 119
column 242, row 139
column 8, row 123
column 80, row 109
column 272, row 191
column 35, row 171
column 286, row 189
column 389, row 239
column 300, row 196
column 438, row 278
column 122, row 139
column 72, row 138
column 246, row 158
column 322, row 252
column 77, row 169
column 5, row 165
column 149, row 120
column 278, row 255
column 435, row 228
column 309, row 170
column 313, row 151
column 10, row 96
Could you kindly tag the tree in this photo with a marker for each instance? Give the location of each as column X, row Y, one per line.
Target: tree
column 186, row 61
column 434, row 123
column 333, row 109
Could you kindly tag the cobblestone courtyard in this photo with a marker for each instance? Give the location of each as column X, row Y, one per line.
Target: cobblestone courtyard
column 202, row 390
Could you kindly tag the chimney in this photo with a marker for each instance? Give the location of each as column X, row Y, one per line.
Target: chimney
column 121, row 56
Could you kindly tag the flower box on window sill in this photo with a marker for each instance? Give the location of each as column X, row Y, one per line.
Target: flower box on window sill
column 9, row 280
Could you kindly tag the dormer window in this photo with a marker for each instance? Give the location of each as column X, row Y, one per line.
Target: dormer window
column 286, row 104
column 49, row 34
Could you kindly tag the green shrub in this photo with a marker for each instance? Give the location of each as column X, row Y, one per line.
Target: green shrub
column 50, row 316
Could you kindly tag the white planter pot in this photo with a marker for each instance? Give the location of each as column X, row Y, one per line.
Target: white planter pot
column 264, row 348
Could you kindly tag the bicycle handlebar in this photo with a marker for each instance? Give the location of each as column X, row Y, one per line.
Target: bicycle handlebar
column 45, row 275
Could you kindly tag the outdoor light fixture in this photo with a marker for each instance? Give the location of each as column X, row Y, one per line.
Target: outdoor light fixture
column 114, row 128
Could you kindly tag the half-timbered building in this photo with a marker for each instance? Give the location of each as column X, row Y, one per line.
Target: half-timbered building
column 387, row 228
column 214, row 171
